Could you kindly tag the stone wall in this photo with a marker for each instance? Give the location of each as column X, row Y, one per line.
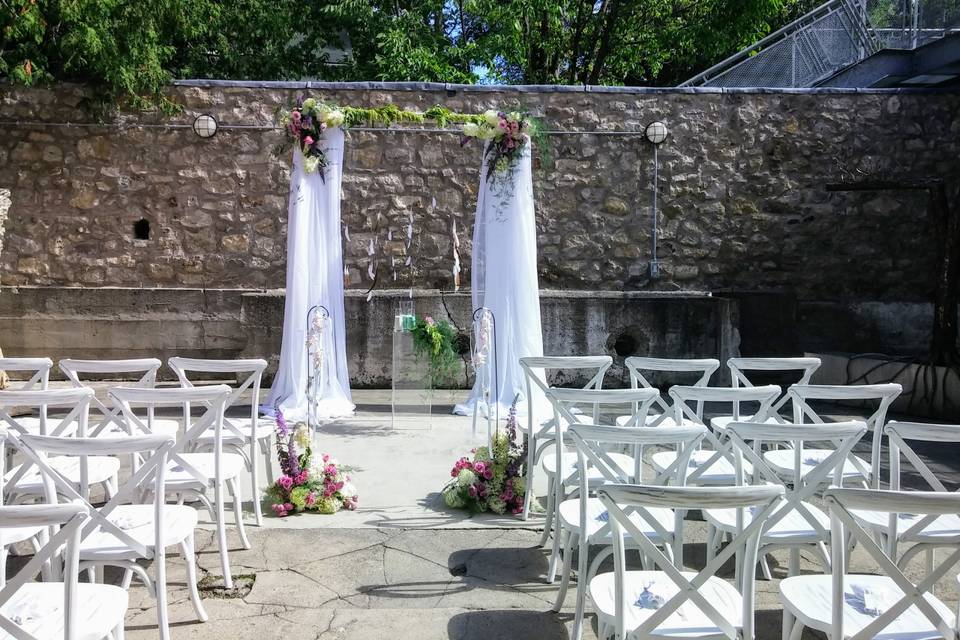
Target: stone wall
column 743, row 175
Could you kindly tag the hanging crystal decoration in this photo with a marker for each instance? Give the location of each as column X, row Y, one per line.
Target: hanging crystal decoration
column 318, row 324
column 483, row 356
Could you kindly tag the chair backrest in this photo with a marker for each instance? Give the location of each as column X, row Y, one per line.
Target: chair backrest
column 251, row 371
column 907, row 593
column 684, row 396
column 639, row 365
column 740, row 366
column 212, row 398
column 38, row 368
column 809, row 475
column 75, row 401
column 564, row 401
column 622, row 501
column 153, row 451
column 900, row 435
column 883, row 394
column 25, row 618
column 535, row 376
column 143, row 370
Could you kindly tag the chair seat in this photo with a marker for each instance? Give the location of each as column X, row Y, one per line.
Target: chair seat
column 99, row 469
column 721, row 472
column 792, row 528
column 263, row 431
column 782, row 461
column 136, row 520
column 669, row 421
column 161, row 426
column 231, row 466
column 38, row 606
column 13, row 535
column 569, row 461
column 720, row 423
column 597, row 518
column 688, row 621
column 809, row 599
column 944, row 529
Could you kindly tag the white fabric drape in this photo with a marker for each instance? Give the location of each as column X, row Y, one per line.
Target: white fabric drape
column 504, row 280
column 314, row 276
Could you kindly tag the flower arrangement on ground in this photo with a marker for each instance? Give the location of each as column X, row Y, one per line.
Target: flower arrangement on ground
column 305, row 125
column 306, row 483
column 437, row 339
column 507, row 135
column 493, row 480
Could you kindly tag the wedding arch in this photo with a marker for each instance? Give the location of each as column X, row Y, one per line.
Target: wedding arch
column 312, row 378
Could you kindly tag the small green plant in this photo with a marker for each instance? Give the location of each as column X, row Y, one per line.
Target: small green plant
column 437, row 339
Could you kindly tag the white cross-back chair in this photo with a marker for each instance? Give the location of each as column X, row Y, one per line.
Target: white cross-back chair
column 856, row 469
column 38, row 370
column 663, row 413
column 250, row 435
column 669, row 601
column 12, row 535
column 192, row 474
column 739, row 368
column 539, row 428
column 714, row 466
column 592, row 403
column 26, row 480
column 862, row 607
column 126, row 529
column 803, row 524
column 65, row 610
column 106, row 420
column 924, row 534
column 585, row 521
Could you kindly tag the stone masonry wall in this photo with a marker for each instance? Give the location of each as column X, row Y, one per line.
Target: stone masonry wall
column 742, row 191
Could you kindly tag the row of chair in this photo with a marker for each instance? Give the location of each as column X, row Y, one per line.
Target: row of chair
column 69, row 448
column 762, row 448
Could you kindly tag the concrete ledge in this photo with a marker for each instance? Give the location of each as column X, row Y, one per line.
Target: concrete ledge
column 62, row 322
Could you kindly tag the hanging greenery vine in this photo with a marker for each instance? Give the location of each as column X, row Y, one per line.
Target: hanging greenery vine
column 306, row 121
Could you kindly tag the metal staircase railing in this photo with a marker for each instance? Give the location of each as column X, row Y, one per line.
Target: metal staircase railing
column 817, row 45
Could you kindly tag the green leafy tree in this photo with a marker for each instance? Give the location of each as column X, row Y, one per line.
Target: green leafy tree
column 128, row 51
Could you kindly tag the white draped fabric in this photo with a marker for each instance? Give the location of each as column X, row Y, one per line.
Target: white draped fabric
column 314, row 276
column 504, row 280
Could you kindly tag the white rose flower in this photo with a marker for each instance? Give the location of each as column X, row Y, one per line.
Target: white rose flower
column 471, row 130
column 348, row 490
column 492, row 117
column 335, row 118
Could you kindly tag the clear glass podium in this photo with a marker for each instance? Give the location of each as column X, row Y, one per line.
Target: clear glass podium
column 411, row 398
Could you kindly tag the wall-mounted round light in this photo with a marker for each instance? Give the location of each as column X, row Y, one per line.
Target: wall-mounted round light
column 205, row 126
column 656, row 132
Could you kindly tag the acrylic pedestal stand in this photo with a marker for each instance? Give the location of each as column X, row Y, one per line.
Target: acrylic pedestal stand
column 411, row 397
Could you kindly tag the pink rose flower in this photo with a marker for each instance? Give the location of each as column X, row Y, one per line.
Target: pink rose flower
column 488, row 474
column 472, row 490
column 311, row 499
column 307, row 141
column 286, row 482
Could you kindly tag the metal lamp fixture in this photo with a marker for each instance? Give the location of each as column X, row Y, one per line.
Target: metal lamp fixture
column 205, row 126
column 656, row 132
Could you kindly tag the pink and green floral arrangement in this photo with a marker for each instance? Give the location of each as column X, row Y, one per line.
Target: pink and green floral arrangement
column 305, row 125
column 307, row 483
column 493, row 480
column 507, row 135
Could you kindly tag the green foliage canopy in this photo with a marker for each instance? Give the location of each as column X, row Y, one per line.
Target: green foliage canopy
column 129, row 51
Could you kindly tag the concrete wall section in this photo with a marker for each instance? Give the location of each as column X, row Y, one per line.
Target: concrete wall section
column 126, row 323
